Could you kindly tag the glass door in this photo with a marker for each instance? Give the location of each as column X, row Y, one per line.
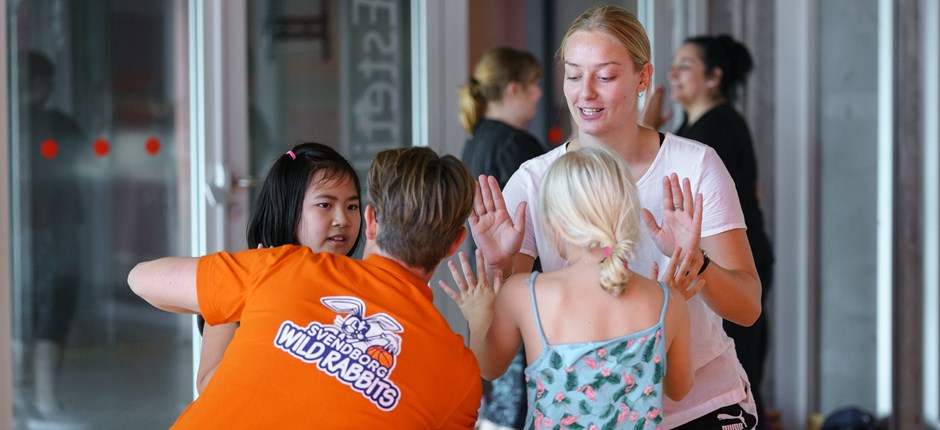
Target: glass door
column 105, row 152
column 328, row 71
column 99, row 166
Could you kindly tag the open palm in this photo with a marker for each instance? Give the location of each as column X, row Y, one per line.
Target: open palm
column 475, row 295
column 682, row 217
column 493, row 230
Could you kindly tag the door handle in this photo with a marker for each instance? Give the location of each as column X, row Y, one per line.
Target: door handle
column 247, row 182
column 218, row 187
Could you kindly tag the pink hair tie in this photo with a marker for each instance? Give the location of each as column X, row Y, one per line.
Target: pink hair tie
column 606, row 251
column 292, row 155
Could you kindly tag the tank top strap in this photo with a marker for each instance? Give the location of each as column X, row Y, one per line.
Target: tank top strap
column 662, row 314
column 535, row 310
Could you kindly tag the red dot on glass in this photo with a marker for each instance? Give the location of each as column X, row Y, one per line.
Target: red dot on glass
column 101, row 147
column 554, row 135
column 152, row 146
column 49, row 149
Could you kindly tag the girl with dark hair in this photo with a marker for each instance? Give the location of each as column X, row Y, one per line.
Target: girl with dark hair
column 706, row 73
column 311, row 197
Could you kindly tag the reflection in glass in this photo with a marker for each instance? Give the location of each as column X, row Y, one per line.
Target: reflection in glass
column 101, row 157
column 53, row 157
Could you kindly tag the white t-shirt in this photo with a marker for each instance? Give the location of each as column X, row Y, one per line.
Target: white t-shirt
column 719, row 378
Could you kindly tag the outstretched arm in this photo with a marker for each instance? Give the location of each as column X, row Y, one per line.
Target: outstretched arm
column 477, row 301
column 215, row 339
column 679, row 373
column 683, row 282
column 732, row 288
column 168, row 283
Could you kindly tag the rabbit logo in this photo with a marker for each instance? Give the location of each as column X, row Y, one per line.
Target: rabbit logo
column 357, row 350
column 372, row 333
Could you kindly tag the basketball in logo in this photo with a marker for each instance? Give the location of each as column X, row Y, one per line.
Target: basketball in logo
column 381, row 355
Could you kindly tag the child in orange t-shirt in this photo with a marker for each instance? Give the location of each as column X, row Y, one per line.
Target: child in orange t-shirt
column 329, row 342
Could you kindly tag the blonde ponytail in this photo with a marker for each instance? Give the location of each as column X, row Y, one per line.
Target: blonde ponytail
column 472, row 105
column 614, row 271
column 492, row 74
column 588, row 200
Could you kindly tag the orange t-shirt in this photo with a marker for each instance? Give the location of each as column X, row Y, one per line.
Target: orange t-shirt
column 329, row 342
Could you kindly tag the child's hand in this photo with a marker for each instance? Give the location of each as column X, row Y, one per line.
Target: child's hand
column 683, row 279
column 476, row 297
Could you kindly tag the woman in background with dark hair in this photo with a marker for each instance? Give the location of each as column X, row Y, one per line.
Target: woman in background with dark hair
column 310, row 198
column 705, row 76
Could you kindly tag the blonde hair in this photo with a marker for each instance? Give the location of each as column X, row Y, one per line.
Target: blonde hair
column 589, row 200
column 496, row 69
column 616, row 22
column 421, row 202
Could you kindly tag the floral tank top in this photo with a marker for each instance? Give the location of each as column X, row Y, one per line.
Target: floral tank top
column 611, row 384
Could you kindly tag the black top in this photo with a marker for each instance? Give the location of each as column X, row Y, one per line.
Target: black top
column 725, row 130
column 498, row 149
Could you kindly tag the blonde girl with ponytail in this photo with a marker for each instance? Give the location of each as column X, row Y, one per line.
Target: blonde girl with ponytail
column 603, row 343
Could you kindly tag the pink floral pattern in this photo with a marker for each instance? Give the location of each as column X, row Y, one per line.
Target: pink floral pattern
column 614, row 384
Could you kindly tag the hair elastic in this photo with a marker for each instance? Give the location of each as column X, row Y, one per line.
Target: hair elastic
column 292, row 155
column 607, row 251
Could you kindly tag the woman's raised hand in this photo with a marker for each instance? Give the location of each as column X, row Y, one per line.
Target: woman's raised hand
column 682, row 217
column 493, row 230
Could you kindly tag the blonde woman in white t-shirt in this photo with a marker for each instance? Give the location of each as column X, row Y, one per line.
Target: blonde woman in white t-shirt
column 606, row 56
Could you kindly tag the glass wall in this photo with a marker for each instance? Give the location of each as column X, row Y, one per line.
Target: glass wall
column 99, row 165
column 328, row 71
column 848, row 205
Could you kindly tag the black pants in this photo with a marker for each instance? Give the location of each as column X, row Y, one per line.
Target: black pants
column 726, row 418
